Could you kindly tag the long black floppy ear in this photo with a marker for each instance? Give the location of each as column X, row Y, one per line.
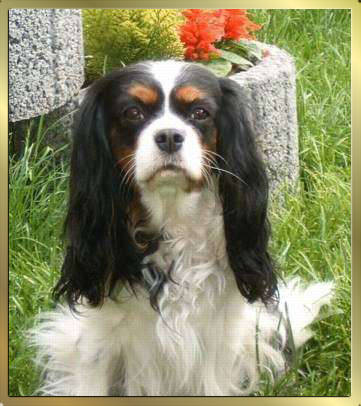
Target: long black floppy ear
column 243, row 188
column 100, row 249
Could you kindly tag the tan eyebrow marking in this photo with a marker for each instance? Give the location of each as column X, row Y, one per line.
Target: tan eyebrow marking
column 188, row 94
column 146, row 94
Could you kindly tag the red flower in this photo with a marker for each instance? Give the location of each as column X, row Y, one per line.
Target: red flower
column 203, row 29
column 199, row 33
column 237, row 25
column 193, row 13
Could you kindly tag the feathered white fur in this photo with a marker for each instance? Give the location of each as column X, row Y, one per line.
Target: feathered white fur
column 206, row 341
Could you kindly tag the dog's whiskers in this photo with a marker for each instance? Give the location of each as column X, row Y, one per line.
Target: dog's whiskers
column 210, row 161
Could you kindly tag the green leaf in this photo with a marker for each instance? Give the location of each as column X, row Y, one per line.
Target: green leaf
column 234, row 58
column 240, row 48
column 231, row 43
column 255, row 51
column 247, row 49
column 220, row 67
column 252, row 49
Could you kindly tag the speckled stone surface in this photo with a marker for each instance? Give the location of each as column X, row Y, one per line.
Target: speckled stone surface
column 46, row 60
column 271, row 87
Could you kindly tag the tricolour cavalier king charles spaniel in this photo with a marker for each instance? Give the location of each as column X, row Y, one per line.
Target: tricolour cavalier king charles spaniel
column 168, row 283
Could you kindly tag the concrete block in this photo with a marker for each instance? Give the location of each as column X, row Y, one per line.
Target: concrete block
column 271, row 87
column 46, row 60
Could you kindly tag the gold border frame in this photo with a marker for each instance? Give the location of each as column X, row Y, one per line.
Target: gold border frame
column 355, row 6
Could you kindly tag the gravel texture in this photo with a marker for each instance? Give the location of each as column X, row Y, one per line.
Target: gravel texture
column 46, row 60
column 271, row 87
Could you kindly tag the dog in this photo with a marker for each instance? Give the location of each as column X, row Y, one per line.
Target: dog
column 168, row 285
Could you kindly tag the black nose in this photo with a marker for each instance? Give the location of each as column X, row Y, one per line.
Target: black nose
column 169, row 140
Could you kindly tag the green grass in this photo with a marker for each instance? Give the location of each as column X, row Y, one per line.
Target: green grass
column 311, row 231
column 38, row 185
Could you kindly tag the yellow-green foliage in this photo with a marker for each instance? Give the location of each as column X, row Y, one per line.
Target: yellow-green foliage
column 118, row 37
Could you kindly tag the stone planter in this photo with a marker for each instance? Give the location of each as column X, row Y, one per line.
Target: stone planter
column 271, row 86
column 46, row 61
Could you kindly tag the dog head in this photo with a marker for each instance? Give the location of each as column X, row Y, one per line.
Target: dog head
column 150, row 127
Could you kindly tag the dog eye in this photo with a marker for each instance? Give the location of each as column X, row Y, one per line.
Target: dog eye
column 199, row 114
column 133, row 114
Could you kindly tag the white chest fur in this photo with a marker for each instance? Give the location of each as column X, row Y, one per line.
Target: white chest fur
column 186, row 339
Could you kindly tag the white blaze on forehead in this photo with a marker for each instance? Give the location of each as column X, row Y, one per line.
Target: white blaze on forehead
column 167, row 73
